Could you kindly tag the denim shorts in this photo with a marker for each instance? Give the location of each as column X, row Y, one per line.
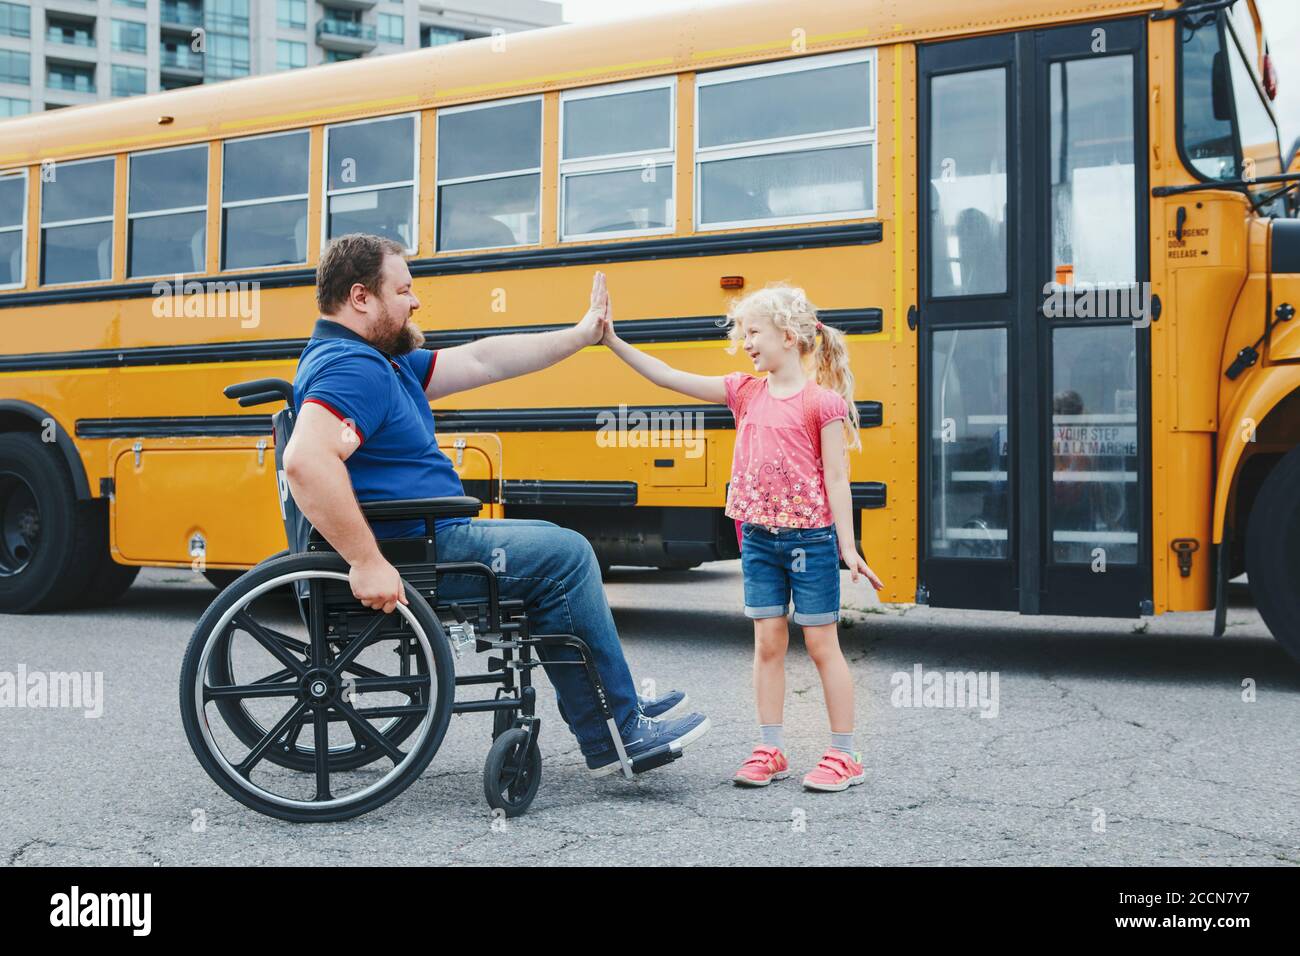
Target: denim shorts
column 805, row 561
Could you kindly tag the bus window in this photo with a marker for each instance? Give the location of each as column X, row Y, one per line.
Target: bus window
column 77, row 221
column 1255, row 127
column 971, row 443
column 489, row 175
column 371, row 182
column 264, row 201
column 1094, row 204
column 616, row 160
column 167, row 211
column 13, row 217
column 968, row 183
column 787, row 142
column 1094, row 498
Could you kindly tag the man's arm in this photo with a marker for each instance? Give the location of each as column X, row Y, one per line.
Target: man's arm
column 318, row 478
column 500, row 357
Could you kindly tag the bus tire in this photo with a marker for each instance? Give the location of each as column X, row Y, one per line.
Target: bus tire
column 49, row 541
column 108, row 580
column 1273, row 552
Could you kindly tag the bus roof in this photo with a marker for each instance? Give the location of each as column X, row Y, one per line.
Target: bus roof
column 702, row 37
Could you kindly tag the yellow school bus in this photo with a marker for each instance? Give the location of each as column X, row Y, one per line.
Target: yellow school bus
column 1059, row 238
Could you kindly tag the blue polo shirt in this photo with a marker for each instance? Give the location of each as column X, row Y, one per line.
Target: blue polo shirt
column 382, row 398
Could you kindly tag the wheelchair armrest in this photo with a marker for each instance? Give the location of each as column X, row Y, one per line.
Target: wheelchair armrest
column 459, row 506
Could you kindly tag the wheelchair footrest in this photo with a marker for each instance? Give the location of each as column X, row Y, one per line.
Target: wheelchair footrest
column 655, row 758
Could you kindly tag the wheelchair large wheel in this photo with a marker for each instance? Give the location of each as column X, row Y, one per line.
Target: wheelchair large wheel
column 351, row 682
column 296, row 754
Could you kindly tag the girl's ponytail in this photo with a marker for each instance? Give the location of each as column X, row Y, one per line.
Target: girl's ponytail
column 831, row 366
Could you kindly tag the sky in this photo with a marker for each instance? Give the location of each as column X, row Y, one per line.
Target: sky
column 1281, row 26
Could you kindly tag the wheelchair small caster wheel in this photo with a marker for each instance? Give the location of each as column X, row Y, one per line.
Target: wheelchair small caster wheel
column 511, row 776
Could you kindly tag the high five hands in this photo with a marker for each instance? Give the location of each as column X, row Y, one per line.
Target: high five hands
column 594, row 326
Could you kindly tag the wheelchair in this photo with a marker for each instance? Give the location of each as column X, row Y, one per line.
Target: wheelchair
column 305, row 705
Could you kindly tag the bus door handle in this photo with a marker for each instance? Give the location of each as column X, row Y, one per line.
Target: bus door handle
column 913, row 318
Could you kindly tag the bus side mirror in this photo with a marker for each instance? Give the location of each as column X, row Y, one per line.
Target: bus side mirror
column 1219, row 88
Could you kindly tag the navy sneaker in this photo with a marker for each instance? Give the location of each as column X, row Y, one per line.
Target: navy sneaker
column 649, row 734
column 664, row 705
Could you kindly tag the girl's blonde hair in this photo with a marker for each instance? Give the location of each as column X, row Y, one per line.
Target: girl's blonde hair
column 788, row 308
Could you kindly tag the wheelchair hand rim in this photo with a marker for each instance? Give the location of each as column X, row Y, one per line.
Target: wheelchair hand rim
column 215, row 750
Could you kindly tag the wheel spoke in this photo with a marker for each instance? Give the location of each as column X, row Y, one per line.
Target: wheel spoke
column 371, row 735
column 275, row 678
column 358, row 643
column 255, row 755
column 405, row 685
column 241, row 691
column 270, row 640
column 321, row 719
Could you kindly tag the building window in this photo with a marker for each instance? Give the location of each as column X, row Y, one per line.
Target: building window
column 264, row 201
column 335, row 56
column 14, row 106
column 290, row 55
column 226, row 56
column 392, row 28
column 77, row 222
column 786, row 142
column 616, row 160
column 167, row 211
column 13, row 222
column 128, row 36
column 370, row 186
column 489, row 174
column 15, row 20
column 177, row 54
column 438, row 36
column 135, row 4
column 73, row 32
column 291, row 14
column 128, row 80
column 15, row 67
column 75, row 77
column 181, row 13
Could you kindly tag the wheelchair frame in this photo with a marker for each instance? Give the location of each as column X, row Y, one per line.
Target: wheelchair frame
column 324, row 678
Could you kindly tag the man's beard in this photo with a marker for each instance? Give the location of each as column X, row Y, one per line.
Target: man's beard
column 395, row 339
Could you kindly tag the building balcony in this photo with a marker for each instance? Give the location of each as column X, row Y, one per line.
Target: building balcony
column 181, row 63
column 75, row 48
column 180, row 16
column 345, row 36
column 348, row 4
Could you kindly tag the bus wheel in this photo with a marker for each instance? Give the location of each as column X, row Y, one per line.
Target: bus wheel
column 107, row 580
column 48, row 540
column 1273, row 552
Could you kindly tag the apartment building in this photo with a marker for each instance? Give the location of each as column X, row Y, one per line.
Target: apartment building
column 57, row 53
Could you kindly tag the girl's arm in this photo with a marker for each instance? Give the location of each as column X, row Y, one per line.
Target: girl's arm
column 836, row 472
column 707, row 388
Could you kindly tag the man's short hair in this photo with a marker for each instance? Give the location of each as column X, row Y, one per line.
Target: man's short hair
column 347, row 260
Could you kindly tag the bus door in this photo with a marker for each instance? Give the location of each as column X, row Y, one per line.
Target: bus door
column 1033, row 347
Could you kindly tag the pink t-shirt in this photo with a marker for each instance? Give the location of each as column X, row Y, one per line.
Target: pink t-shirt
column 776, row 474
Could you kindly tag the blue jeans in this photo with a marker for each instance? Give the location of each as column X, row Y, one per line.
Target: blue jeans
column 804, row 562
column 555, row 573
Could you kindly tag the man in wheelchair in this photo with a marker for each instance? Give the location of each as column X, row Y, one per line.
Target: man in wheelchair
column 364, row 432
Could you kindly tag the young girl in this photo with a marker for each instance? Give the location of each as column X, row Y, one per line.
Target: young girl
column 789, row 494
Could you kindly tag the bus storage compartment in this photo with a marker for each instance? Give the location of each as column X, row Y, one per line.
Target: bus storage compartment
column 199, row 505
column 477, row 460
column 676, row 467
